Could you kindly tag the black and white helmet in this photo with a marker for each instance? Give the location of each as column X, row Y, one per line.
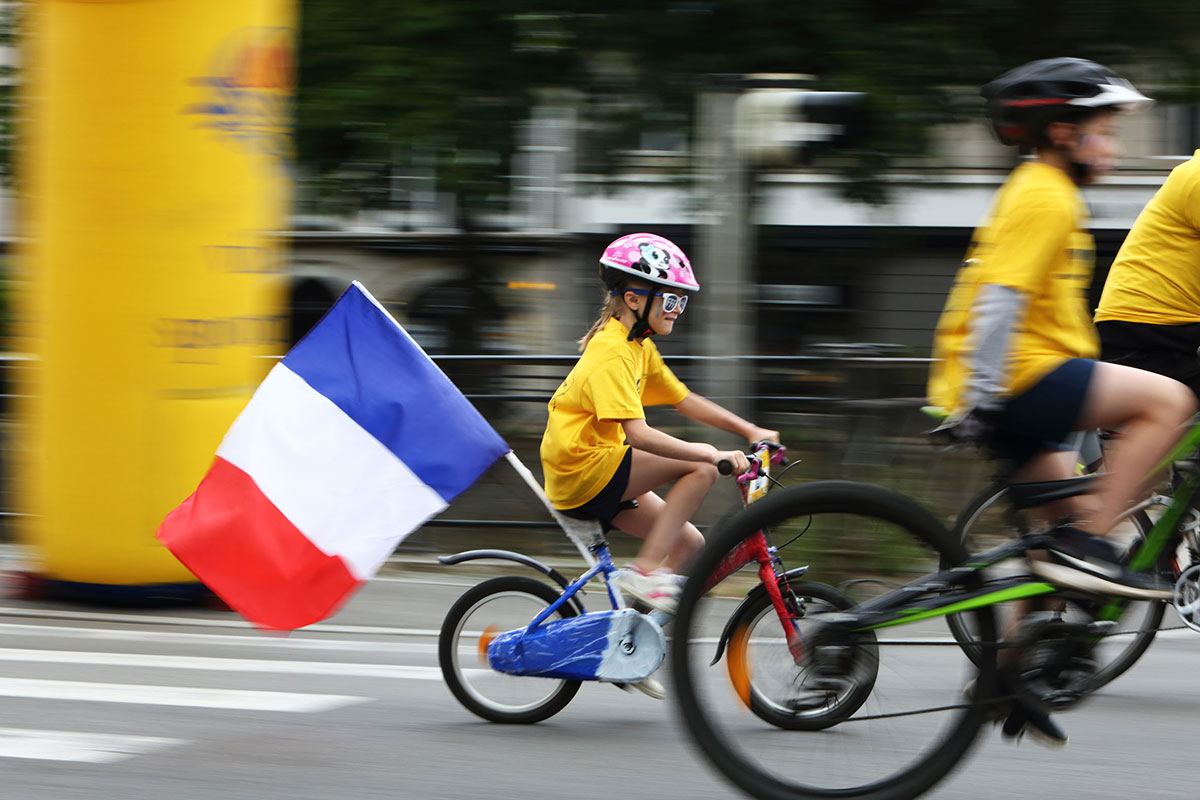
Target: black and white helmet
column 1022, row 102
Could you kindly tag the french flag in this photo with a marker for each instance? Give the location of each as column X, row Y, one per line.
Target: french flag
column 351, row 442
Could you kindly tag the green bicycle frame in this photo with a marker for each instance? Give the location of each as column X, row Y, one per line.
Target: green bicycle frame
column 941, row 593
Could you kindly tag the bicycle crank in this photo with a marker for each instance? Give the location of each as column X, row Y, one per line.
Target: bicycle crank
column 1055, row 665
column 1187, row 597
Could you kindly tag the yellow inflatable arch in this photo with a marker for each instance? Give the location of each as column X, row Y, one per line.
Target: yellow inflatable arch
column 154, row 171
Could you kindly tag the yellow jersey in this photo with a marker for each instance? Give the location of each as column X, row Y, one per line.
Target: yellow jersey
column 1035, row 241
column 613, row 380
column 1155, row 278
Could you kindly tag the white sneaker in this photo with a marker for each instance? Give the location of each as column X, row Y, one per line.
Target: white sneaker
column 647, row 686
column 659, row 589
column 651, row 688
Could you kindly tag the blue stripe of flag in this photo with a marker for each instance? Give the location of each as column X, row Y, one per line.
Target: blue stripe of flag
column 360, row 358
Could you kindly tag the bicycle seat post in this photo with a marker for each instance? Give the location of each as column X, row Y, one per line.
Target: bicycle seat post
column 598, row 547
column 599, row 543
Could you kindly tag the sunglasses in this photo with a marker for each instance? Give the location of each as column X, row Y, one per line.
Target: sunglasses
column 671, row 302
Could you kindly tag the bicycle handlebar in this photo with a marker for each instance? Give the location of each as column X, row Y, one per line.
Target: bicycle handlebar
column 778, row 454
column 725, row 467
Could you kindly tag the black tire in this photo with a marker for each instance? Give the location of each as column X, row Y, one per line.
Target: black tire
column 498, row 605
column 772, row 678
column 1116, row 653
column 771, row 764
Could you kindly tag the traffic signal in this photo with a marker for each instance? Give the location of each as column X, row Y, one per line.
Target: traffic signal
column 787, row 126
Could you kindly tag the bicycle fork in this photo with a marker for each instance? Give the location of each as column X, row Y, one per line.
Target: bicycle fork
column 772, row 580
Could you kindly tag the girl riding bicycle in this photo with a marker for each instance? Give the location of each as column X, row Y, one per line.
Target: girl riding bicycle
column 600, row 458
column 1015, row 343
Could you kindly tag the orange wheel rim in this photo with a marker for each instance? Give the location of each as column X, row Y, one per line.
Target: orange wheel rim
column 740, row 664
column 485, row 638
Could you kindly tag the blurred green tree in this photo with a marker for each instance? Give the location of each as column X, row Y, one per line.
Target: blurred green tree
column 438, row 85
column 444, row 82
column 919, row 60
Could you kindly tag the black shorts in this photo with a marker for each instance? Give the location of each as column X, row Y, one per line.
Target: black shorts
column 1044, row 416
column 1166, row 349
column 607, row 504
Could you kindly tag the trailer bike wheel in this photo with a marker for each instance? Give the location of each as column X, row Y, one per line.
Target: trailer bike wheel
column 916, row 722
column 484, row 611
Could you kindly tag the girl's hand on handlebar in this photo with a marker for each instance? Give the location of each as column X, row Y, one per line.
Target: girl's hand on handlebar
column 763, row 435
column 735, row 458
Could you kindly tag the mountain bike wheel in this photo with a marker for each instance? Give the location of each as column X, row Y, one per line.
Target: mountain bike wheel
column 490, row 608
column 986, row 522
column 764, row 672
column 914, row 725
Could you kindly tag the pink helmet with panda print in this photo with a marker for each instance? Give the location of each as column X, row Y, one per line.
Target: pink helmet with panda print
column 650, row 257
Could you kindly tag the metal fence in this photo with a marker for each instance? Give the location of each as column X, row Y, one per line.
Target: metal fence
column 780, row 384
column 853, row 405
column 850, row 406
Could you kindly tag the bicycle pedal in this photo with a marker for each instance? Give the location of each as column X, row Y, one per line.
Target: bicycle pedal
column 997, row 711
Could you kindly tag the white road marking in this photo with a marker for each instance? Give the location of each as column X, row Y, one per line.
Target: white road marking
column 184, row 696
column 216, row 664
column 202, row 622
column 93, row 748
column 210, row 639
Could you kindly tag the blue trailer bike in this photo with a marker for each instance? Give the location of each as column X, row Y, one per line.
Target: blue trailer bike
column 516, row 649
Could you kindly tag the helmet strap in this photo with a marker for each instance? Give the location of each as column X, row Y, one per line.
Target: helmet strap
column 641, row 326
column 1079, row 171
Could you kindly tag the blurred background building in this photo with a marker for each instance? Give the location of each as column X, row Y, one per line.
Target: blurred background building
column 827, row 268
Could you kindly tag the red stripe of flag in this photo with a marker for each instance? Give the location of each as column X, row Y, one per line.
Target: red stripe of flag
column 246, row 551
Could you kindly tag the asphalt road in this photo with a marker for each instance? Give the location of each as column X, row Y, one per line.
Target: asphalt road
column 192, row 704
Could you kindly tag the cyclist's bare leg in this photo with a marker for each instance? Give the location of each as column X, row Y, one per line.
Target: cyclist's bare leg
column 1050, row 465
column 1150, row 409
column 640, row 522
column 670, row 537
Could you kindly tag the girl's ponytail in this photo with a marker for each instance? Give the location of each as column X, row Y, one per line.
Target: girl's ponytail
column 610, row 309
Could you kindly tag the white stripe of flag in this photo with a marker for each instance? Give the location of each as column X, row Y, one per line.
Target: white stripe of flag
column 351, row 443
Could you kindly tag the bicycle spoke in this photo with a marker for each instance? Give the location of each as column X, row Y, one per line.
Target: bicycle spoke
column 861, row 713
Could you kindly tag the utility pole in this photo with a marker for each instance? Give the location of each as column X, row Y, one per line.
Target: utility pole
column 723, row 252
column 743, row 123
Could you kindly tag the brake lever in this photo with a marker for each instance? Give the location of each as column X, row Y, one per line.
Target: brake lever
column 751, row 473
column 778, row 451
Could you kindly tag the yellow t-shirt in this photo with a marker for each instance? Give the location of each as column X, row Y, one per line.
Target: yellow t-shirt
column 1156, row 276
column 1034, row 241
column 613, row 380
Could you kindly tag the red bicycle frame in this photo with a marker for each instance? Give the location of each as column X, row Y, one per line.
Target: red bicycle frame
column 756, row 548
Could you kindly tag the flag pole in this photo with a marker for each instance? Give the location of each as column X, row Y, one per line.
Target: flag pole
column 581, row 532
